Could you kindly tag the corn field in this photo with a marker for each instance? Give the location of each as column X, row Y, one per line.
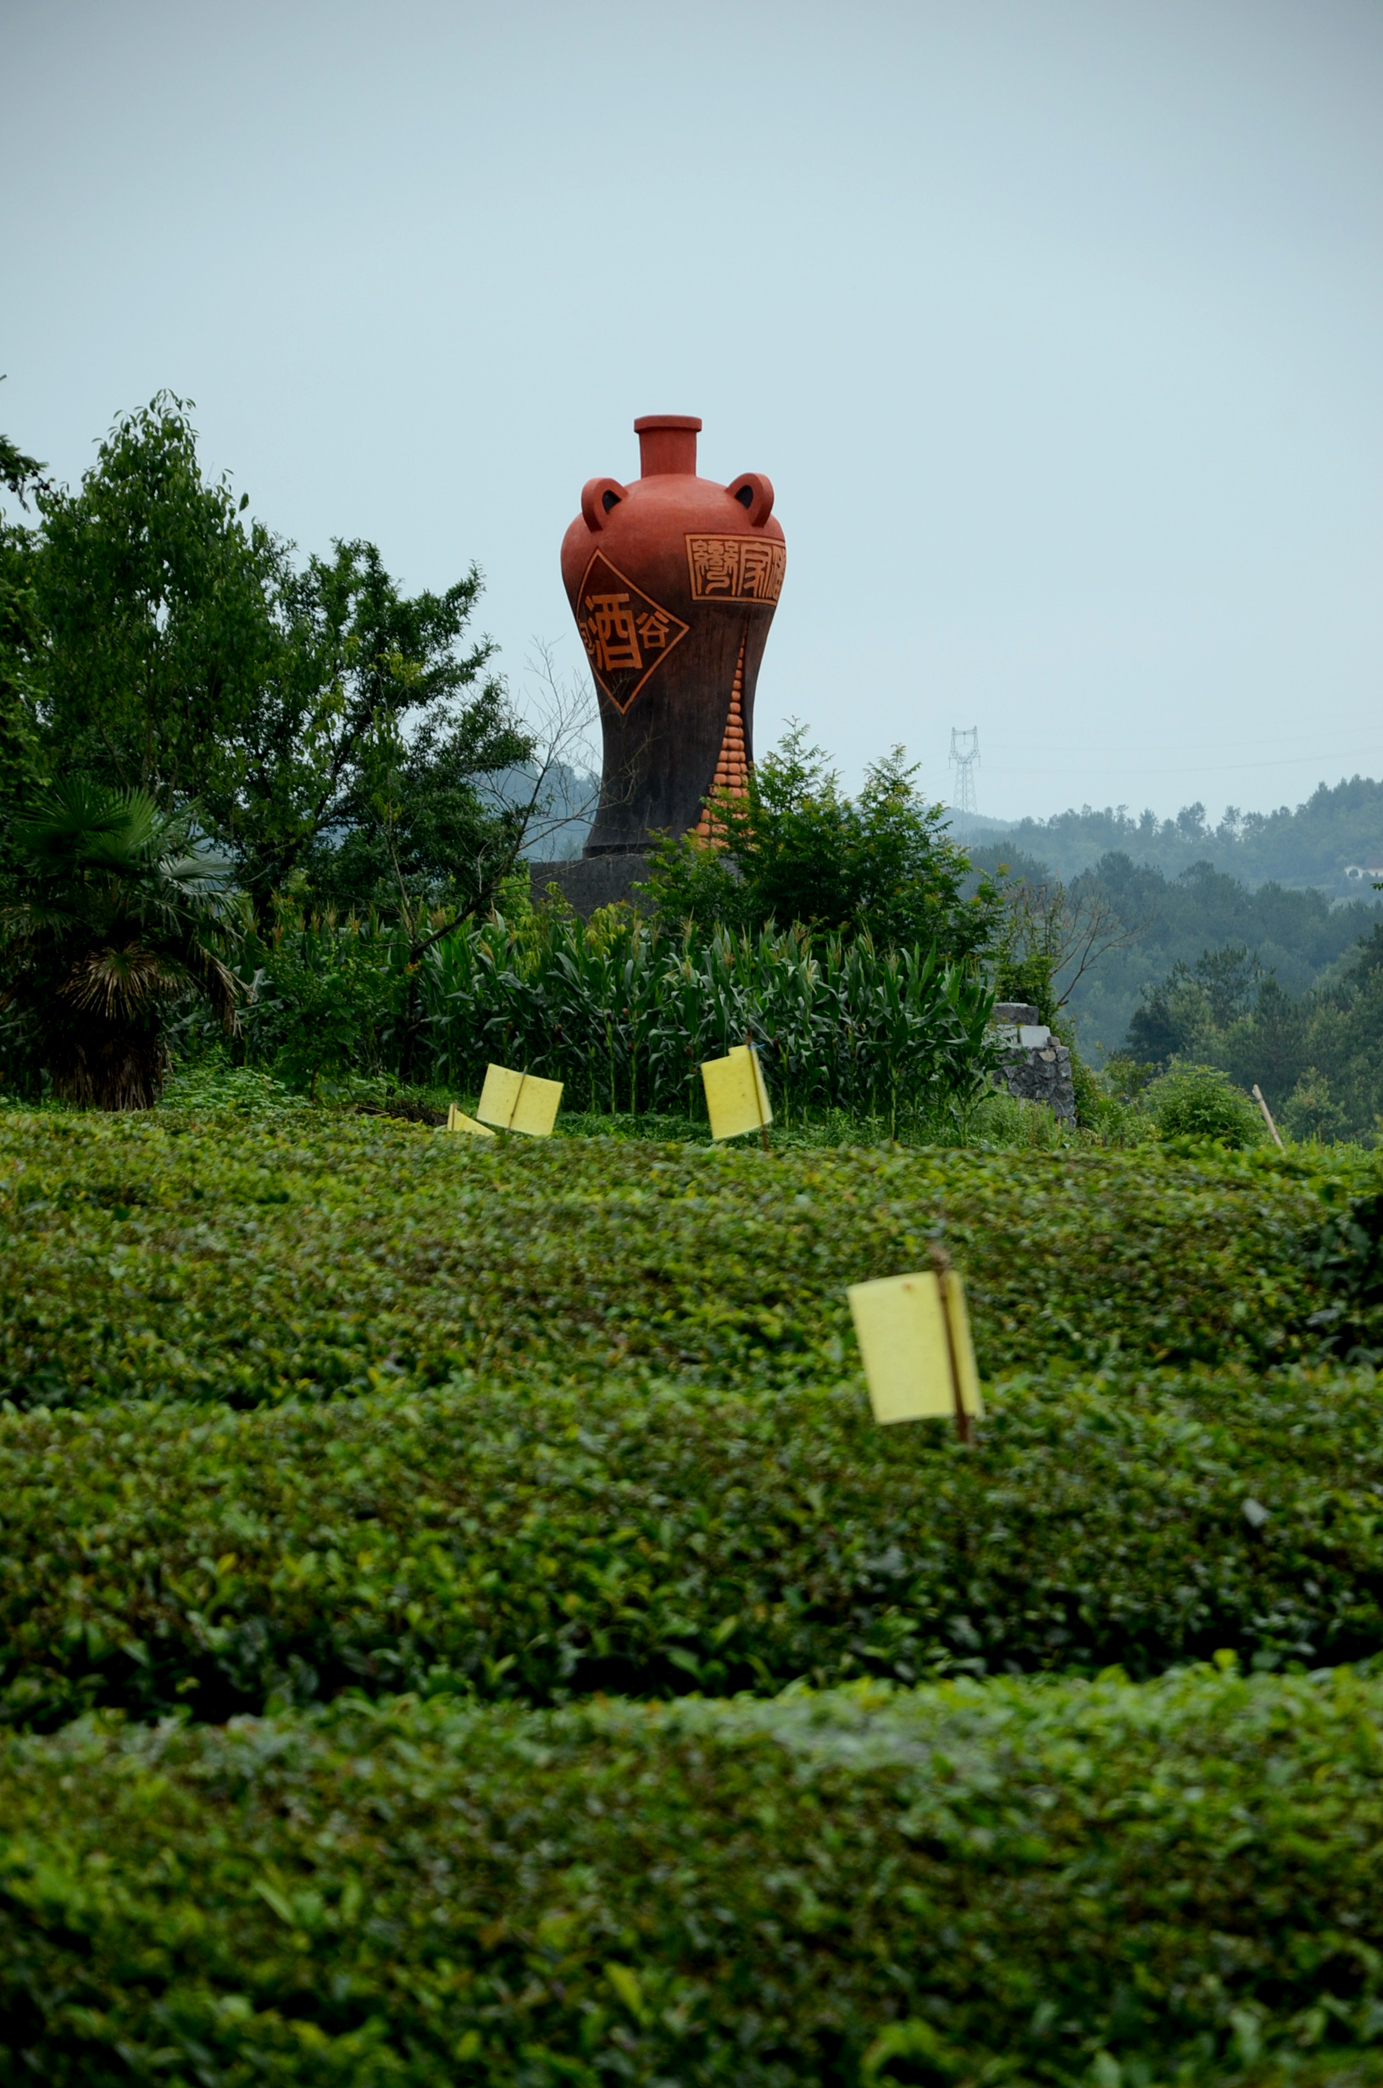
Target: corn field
column 624, row 1012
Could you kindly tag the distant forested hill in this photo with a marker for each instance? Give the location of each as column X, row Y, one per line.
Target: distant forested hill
column 1336, row 829
column 1297, row 936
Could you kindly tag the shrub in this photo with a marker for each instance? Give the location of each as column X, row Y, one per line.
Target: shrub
column 1012, row 1122
column 21, row 1054
column 325, row 1000
column 549, row 1539
column 793, row 850
column 1200, row 1102
column 997, row 1882
column 1311, row 1110
column 1090, row 1097
column 1346, row 1261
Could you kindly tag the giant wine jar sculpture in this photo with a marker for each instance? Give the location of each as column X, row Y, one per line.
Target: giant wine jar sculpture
column 673, row 581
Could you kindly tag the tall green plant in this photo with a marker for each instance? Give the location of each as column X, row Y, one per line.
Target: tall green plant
column 116, row 919
column 327, row 999
column 624, row 1012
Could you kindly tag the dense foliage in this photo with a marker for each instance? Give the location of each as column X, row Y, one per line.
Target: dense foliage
column 355, row 770
column 156, row 618
column 115, row 919
column 1317, row 1056
column 1311, row 845
column 622, row 1011
column 1200, row 1102
column 1202, row 917
column 330, row 729
column 618, row 1349
column 530, row 1420
column 796, row 849
column 626, row 1012
column 20, row 640
column 1057, row 1884
column 538, row 1534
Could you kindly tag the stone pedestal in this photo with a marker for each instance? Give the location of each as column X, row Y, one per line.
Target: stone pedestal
column 591, row 881
column 1036, row 1067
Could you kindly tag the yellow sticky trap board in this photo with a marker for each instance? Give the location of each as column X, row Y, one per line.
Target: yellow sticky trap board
column 457, row 1120
column 536, row 1109
column 907, row 1359
column 736, row 1096
column 963, row 1347
column 519, row 1101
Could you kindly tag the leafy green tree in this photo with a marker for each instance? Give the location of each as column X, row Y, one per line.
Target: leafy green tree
column 796, row 848
column 157, row 609
column 331, row 728
column 21, row 645
column 1311, row 844
column 116, row 919
column 17, row 472
column 1191, row 1101
column 1180, row 1013
column 1317, row 1056
column 359, row 756
column 1312, row 1112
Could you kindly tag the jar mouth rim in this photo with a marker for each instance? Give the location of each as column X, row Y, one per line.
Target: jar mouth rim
column 691, row 423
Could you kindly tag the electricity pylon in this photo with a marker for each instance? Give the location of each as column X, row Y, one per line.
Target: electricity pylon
column 965, row 759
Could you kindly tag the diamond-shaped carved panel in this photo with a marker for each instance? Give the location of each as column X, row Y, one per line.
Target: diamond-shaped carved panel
column 627, row 637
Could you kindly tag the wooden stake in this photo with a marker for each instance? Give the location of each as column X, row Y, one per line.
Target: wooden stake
column 754, row 1069
column 941, row 1262
column 1267, row 1115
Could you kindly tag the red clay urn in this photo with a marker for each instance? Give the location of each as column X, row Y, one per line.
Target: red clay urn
column 673, row 580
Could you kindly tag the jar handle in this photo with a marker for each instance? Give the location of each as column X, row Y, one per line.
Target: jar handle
column 754, row 493
column 598, row 498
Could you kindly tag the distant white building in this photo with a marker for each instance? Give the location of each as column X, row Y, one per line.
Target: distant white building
column 1359, row 870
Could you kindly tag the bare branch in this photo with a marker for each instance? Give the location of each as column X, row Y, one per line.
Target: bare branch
column 1092, row 930
column 560, row 716
column 1068, row 930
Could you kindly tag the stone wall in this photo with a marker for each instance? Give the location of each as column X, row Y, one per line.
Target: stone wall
column 1036, row 1067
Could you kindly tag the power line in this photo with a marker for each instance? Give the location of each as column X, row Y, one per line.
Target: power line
column 1128, row 749
column 1200, row 768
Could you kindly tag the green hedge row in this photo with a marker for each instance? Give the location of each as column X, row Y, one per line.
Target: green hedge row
column 207, row 1257
column 544, row 1540
column 1006, row 1882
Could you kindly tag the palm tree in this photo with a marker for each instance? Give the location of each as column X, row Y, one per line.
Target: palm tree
column 115, row 918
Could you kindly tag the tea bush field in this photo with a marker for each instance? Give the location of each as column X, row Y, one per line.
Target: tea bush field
column 552, row 1539
column 302, row 1257
column 459, row 1621
column 1052, row 1882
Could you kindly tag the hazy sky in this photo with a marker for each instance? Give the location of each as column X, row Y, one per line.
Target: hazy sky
column 1056, row 324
